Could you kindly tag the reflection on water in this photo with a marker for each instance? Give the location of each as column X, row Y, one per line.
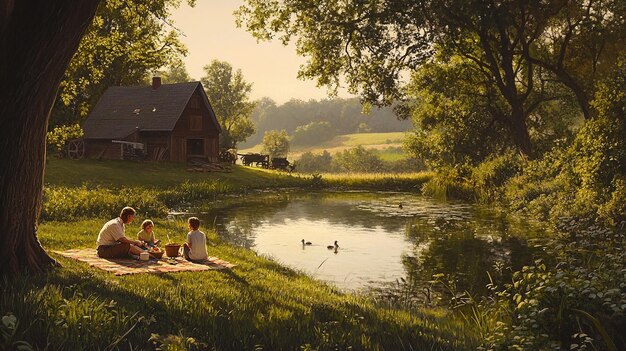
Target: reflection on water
column 383, row 238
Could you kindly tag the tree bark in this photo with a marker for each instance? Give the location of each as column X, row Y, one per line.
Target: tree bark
column 519, row 132
column 570, row 82
column 37, row 40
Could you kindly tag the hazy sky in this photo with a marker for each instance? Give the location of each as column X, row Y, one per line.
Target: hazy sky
column 210, row 33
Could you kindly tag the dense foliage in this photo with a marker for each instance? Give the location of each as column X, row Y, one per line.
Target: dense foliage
column 576, row 301
column 343, row 115
column 586, row 177
column 520, row 104
column 125, row 43
column 58, row 137
column 523, row 54
column 313, row 133
column 276, row 143
column 354, row 160
column 228, row 93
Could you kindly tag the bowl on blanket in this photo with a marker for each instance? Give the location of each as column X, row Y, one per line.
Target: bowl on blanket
column 156, row 254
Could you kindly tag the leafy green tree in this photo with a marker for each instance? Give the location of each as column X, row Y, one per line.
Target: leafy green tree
column 451, row 120
column 175, row 73
column 312, row 163
column 364, row 128
column 453, row 114
column 59, row 136
column 357, row 159
column 276, row 143
column 125, row 43
column 580, row 45
column 313, row 133
column 371, row 43
column 228, row 93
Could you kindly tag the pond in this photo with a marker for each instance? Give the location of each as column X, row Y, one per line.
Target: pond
column 384, row 239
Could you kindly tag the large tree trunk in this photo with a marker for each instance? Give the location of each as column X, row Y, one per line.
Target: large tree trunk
column 519, row 132
column 37, row 40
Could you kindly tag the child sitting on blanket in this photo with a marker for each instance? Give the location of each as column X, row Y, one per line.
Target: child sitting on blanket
column 146, row 233
column 194, row 249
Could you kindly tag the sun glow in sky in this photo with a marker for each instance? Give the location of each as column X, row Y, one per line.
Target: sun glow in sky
column 210, row 33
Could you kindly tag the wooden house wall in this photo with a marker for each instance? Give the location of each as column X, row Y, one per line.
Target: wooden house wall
column 182, row 131
column 156, row 143
column 102, row 149
column 106, row 148
column 175, row 142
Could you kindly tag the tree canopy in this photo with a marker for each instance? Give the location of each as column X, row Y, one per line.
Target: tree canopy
column 343, row 115
column 125, row 43
column 276, row 143
column 228, row 93
column 514, row 47
column 175, row 73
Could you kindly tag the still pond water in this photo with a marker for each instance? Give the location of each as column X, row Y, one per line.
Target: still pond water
column 384, row 239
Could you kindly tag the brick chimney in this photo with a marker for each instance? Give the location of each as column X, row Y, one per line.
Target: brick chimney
column 156, row 82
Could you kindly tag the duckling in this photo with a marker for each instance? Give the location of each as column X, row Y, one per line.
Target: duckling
column 330, row 247
column 306, row 242
column 400, row 206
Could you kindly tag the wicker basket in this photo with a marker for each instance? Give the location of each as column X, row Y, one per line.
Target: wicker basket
column 172, row 250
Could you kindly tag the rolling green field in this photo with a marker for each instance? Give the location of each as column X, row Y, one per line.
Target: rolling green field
column 368, row 139
column 388, row 145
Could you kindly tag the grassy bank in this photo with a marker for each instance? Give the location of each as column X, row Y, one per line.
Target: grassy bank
column 151, row 175
column 257, row 305
column 87, row 188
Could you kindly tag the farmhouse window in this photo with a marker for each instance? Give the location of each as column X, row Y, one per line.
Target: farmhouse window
column 195, row 123
column 195, row 147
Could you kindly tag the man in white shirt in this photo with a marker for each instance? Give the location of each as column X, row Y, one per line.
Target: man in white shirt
column 194, row 249
column 112, row 243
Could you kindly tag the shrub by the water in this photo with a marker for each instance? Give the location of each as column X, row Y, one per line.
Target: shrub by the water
column 492, row 174
column 585, row 179
column 576, row 302
column 450, row 183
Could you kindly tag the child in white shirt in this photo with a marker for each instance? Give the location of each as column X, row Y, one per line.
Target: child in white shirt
column 194, row 249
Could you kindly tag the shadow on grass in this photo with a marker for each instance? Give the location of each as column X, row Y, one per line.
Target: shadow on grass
column 261, row 303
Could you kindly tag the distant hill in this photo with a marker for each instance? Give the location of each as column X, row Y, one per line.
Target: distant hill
column 389, row 145
column 344, row 115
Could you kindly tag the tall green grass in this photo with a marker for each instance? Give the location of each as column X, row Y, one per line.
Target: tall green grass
column 84, row 194
column 377, row 181
column 257, row 305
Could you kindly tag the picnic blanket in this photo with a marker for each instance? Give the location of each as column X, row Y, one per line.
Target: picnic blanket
column 122, row 266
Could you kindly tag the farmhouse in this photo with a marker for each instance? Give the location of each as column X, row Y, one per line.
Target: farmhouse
column 163, row 122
